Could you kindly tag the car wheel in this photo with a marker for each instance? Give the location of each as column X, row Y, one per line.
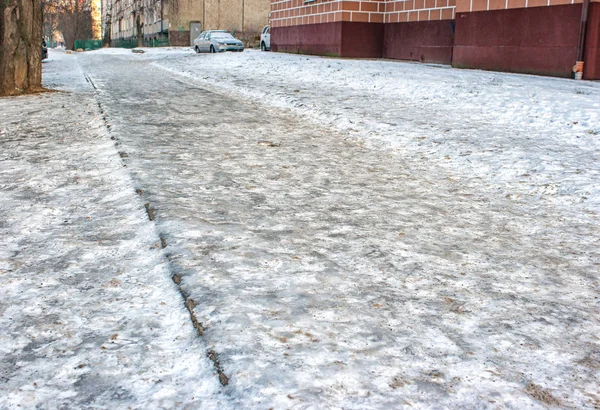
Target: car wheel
column 197, row 50
column 263, row 47
column 212, row 49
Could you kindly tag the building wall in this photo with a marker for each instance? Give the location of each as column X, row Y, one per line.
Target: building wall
column 371, row 28
column 429, row 41
column 288, row 13
column 321, row 39
column 467, row 6
column 156, row 18
column 419, row 30
column 591, row 54
column 182, row 12
column 96, row 19
column 285, row 13
column 342, row 38
column 362, row 39
column 256, row 15
column 247, row 16
column 506, row 39
column 122, row 25
column 531, row 36
column 419, row 10
column 224, row 15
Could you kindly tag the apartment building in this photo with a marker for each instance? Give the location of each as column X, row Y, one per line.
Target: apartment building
column 181, row 20
column 531, row 36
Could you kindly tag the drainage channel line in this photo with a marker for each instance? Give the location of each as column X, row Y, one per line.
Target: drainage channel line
column 189, row 303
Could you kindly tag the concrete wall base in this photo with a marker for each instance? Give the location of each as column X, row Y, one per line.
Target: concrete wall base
column 537, row 40
column 425, row 41
column 362, row 39
column 428, row 41
column 318, row 39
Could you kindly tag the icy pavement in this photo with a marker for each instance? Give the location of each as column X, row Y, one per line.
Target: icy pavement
column 523, row 135
column 430, row 243
column 90, row 317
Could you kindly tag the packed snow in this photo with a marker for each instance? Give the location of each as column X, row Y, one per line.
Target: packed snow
column 497, row 126
column 90, row 317
column 349, row 234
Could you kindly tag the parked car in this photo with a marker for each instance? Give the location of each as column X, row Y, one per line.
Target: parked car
column 215, row 41
column 265, row 39
column 44, row 50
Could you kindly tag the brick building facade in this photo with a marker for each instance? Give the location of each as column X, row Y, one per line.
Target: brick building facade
column 531, row 36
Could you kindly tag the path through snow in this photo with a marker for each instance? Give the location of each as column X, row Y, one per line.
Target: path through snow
column 353, row 234
column 453, row 269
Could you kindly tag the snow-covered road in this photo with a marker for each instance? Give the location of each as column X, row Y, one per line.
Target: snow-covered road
column 362, row 234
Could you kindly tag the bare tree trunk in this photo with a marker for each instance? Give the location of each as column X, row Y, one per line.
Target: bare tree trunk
column 107, row 27
column 20, row 46
column 138, row 26
column 50, row 25
column 75, row 21
column 138, row 10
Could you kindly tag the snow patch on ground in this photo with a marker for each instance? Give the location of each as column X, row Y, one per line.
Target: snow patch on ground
column 89, row 315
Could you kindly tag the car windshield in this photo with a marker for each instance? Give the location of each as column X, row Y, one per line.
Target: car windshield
column 221, row 35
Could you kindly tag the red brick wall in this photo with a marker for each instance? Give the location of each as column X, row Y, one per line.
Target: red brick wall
column 464, row 6
column 285, row 13
column 419, row 10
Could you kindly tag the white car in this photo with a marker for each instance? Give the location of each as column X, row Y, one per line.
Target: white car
column 265, row 39
column 216, row 41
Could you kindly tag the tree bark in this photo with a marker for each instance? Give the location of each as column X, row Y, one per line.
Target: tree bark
column 138, row 25
column 20, row 46
column 107, row 27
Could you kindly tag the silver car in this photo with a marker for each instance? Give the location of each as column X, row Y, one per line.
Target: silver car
column 215, row 41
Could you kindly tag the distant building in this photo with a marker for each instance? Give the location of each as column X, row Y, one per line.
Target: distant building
column 180, row 21
column 96, row 19
column 531, row 36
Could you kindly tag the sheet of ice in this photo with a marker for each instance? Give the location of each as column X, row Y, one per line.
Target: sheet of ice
column 524, row 135
column 90, row 317
column 439, row 250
